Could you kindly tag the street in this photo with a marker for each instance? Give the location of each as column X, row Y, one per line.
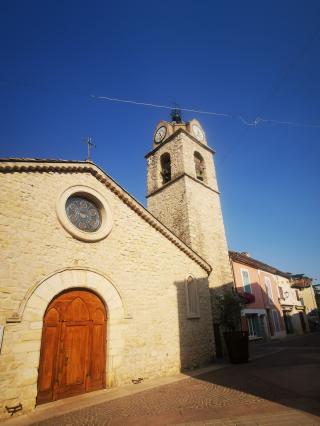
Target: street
column 282, row 388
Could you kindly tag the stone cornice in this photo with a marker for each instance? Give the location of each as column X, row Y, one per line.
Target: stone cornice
column 62, row 166
column 178, row 178
column 173, row 136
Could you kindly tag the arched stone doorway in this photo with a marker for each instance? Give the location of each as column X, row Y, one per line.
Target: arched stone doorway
column 73, row 346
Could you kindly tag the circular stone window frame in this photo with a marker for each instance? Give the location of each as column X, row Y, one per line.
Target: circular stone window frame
column 102, row 205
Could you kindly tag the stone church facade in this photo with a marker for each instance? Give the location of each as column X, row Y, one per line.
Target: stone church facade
column 96, row 290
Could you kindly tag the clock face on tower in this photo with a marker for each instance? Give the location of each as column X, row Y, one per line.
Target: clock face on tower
column 160, row 134
column 198, row 133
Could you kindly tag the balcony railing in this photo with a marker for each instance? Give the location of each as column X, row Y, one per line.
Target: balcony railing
column 248, row 297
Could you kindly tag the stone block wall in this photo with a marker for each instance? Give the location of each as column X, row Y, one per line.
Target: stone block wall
column 138, row 272
column 190, row 208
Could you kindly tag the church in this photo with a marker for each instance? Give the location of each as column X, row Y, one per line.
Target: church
column 98, row 291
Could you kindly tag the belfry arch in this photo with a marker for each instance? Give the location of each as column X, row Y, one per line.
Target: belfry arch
column 165, row 161
column 200, row 167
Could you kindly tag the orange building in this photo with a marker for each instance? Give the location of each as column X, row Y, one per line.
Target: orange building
column 263, row 317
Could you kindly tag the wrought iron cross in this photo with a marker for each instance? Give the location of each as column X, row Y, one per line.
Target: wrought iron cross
column 90, row 144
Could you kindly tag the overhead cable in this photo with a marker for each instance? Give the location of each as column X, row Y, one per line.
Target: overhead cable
column 253, row 123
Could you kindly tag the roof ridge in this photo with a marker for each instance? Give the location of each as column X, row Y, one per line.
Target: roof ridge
column 235, row 255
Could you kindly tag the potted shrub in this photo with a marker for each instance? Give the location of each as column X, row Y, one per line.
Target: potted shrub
column 229, row 305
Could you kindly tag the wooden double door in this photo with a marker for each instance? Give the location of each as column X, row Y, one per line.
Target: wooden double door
column 73, row 346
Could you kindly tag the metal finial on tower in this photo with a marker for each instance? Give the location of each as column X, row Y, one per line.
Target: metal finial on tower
column 90, row 144
column 176, row 115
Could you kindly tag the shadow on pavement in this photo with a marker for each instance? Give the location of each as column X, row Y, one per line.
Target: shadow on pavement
column 289, row 377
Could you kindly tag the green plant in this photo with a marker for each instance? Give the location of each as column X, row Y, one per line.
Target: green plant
column 229, row 305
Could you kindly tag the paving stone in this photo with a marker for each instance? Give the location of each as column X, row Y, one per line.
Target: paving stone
column 259, row 393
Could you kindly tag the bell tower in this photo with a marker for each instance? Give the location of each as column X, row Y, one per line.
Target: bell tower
column 182, row 192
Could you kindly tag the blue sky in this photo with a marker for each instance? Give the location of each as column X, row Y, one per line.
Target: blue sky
column 248, row 58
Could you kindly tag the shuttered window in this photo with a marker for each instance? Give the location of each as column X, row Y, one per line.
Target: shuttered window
column 281, row 293
column 246, row 281
column 268, row 288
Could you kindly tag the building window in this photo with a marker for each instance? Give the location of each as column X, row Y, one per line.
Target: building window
column 84, row 213
column 254, row 326
column 192, row 298
column 199, row 167
column 268, row 285
column 281, row 295
column 165, row 167
column 246, row 281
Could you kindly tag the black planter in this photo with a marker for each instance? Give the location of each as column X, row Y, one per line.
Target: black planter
column 237, row 343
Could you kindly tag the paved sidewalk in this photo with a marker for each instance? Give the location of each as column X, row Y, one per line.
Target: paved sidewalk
column 68, row 405
column 281, row 388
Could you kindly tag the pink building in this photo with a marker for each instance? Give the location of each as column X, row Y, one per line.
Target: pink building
column 263, row 318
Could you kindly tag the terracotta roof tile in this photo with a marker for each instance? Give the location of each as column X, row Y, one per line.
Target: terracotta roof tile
column 250, row 261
